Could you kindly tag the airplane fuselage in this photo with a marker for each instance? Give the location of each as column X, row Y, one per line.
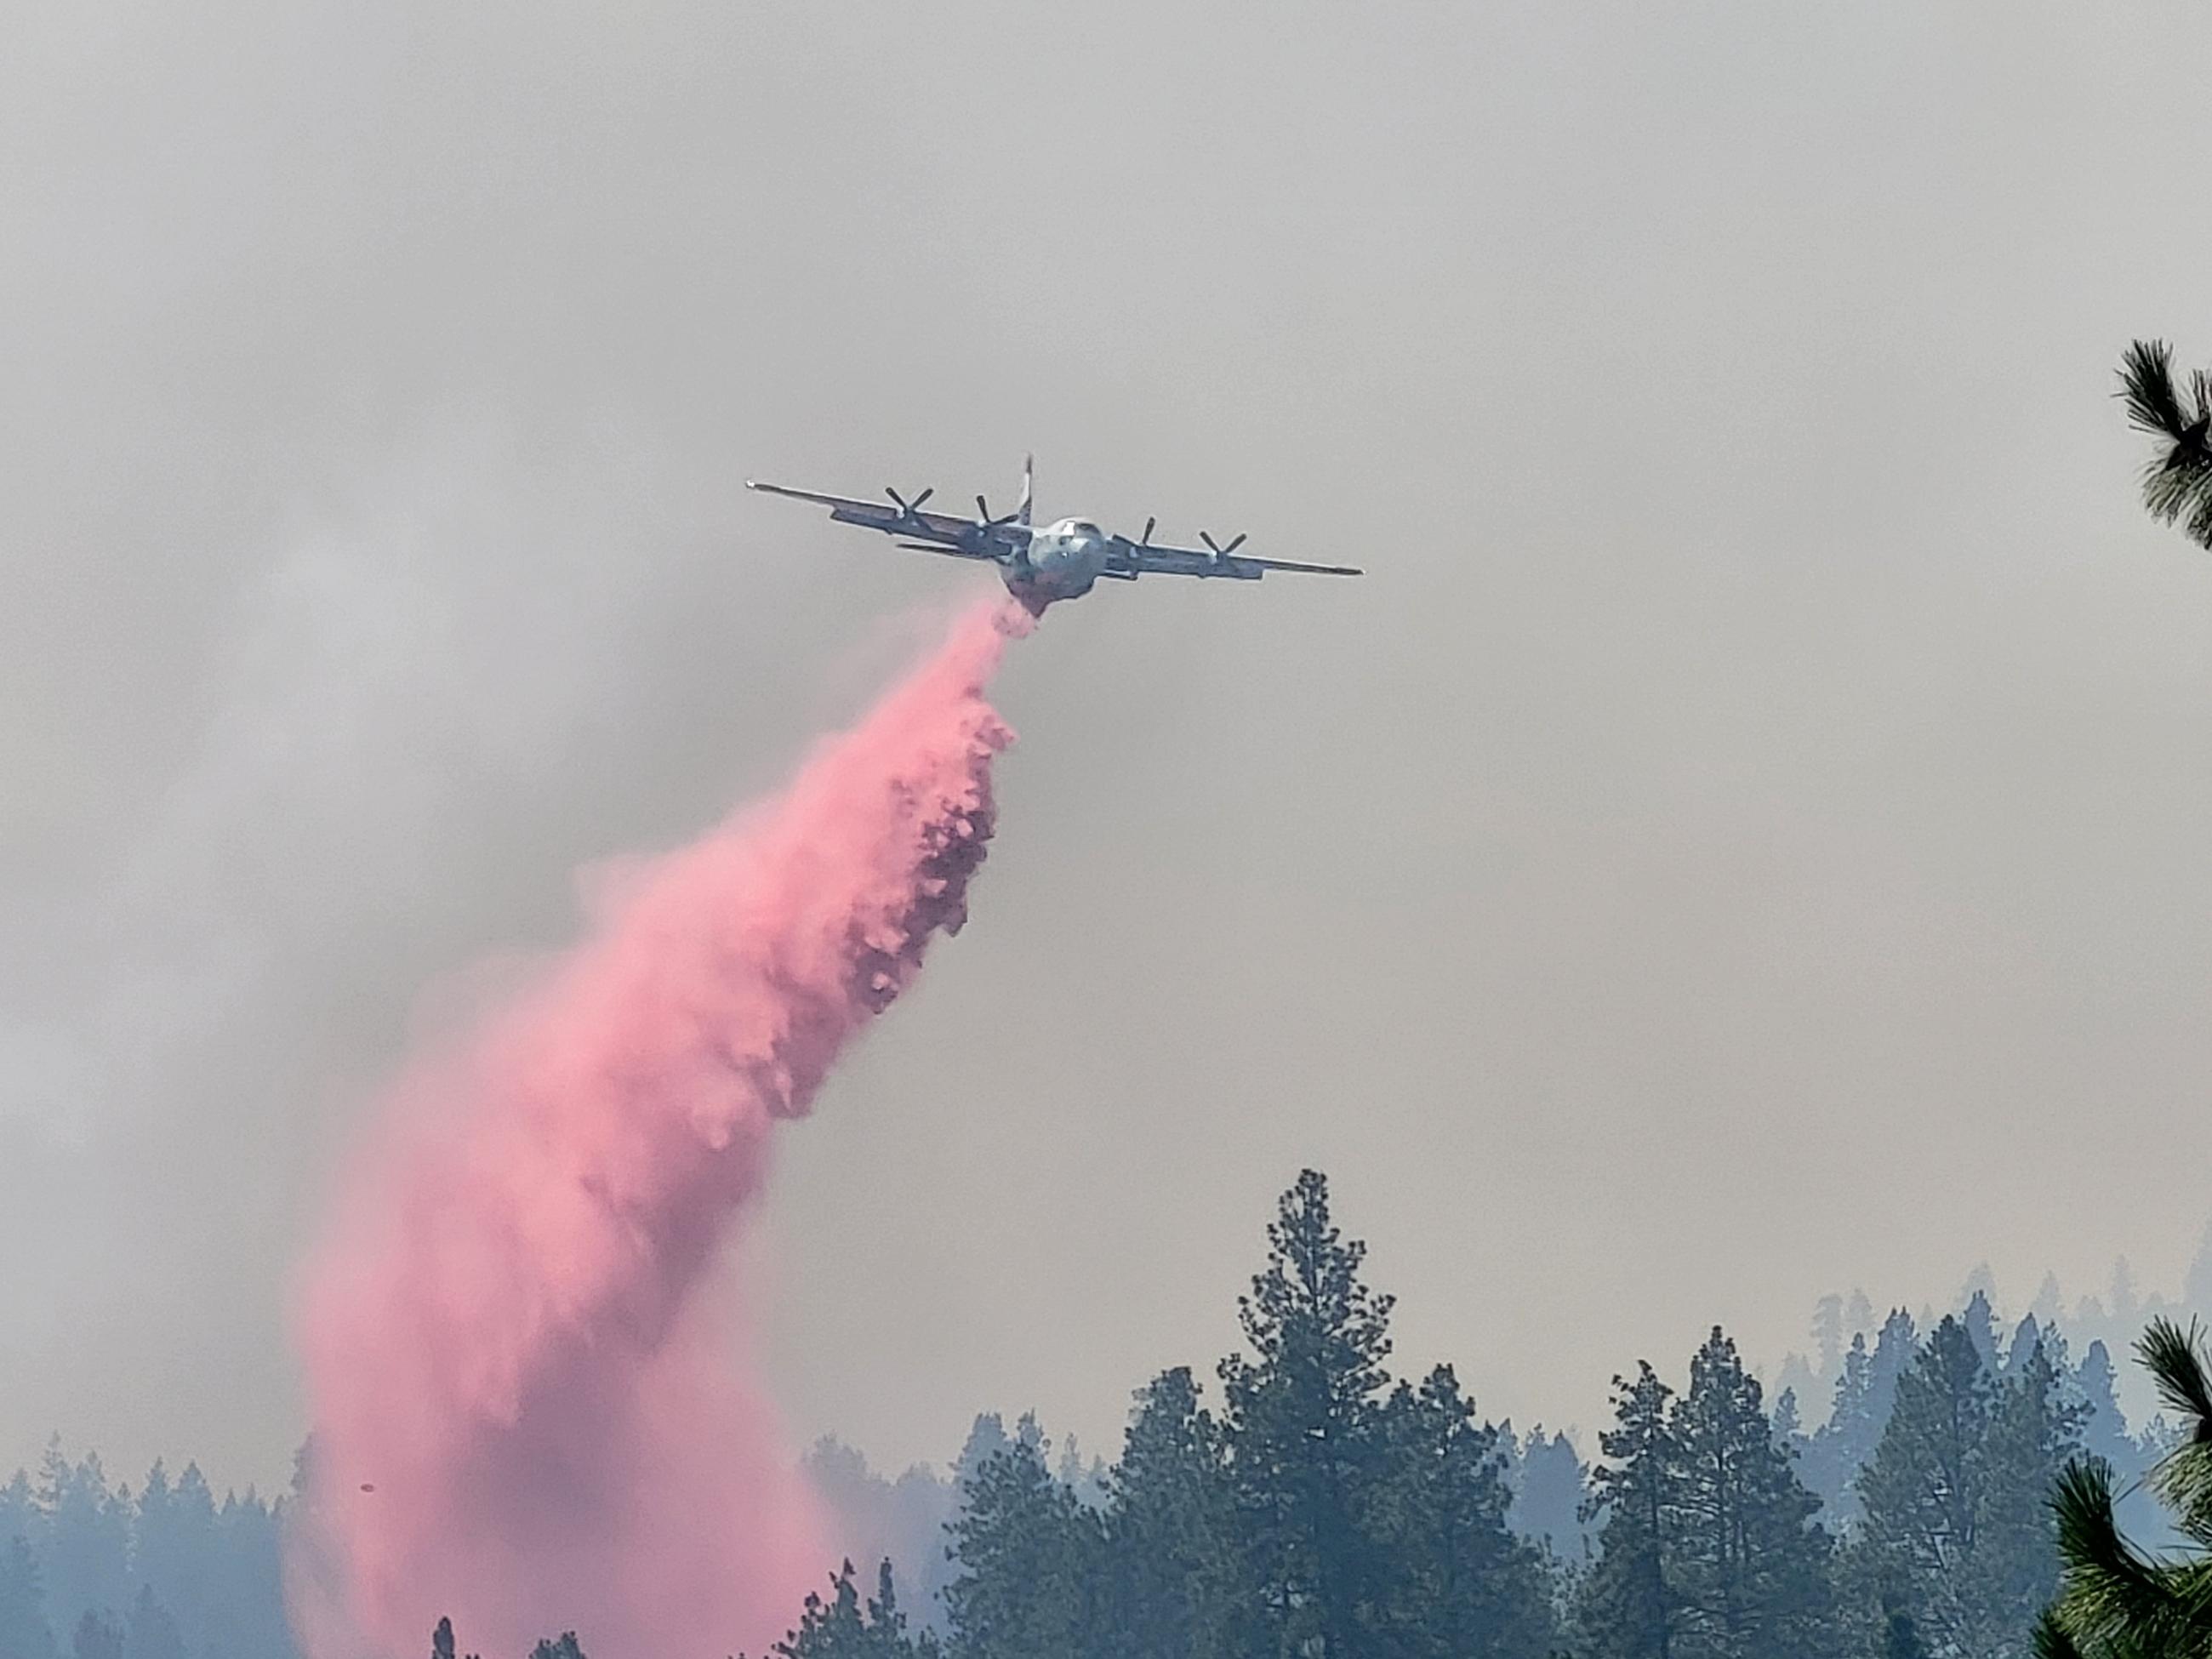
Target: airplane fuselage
column 1063, row 561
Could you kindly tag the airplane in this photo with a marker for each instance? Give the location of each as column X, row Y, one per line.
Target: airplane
column 1064, row 561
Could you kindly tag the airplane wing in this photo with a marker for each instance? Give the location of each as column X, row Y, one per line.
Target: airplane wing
column 941, row 533
column 1134, row 559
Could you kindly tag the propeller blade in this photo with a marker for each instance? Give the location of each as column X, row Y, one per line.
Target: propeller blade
column 1232, row 547
column 983, row 509
column 927, row 493
column 897, row 500
column 1147, row 540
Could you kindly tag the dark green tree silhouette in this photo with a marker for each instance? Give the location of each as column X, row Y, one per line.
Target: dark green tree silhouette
column 1751, row 1574
column 846, row 1628
column 1709, row 1550
column 1957, row 1533
column 1177, row 1565
column 2178, row 481
column 1456, row 1579
column 1630, row 1607
column 1303, row 1412
column 1030, row 1559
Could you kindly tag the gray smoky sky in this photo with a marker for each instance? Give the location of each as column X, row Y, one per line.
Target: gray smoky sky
column 1751, row 833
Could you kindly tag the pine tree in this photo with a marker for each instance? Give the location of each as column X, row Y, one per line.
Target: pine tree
column 19, row 1510
column 1828, row 1333
column 1177, row 1565
column 1980, row 1321
column 1835, row 1451
column 1303, row 1417
column 987, row 1438
column 845, row 1628
column 84, row 1537
column 152, row 1633
column 2035, row 1433
column 188, row 1569
column 24, row 1633
column 1030, row 1559
column 1550, row 1487
column 1751, row 1573
column 2105, row 1429
column 1630, row 1607
column 566, row 1648
column 1955, row 1527
column 1456, row 1580
column 1923, row 1491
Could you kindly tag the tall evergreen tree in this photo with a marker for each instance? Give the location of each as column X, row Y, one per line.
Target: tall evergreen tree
column 1549, row 1488
column 1630, row 1607
column 2035, row 1433
column 1828, row 1333
column 1834, row 1451
column 1956, row 1530
column 1456, row 1579
column 1866, row 1393
column 19, row 1510
column 24, row 1633
column 152, row 1633
column 1030, row 1561
column 1302, row 1414
column 1177, row 1561
column 1924, row 1493
column 1751, row 1573
column 1980, row 1320
column 2104, row 1428
column 84, row 1541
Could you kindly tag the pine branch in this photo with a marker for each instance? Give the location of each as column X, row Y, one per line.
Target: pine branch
column 2147, row 383
column 2051, row 1641
column 2113, row 1592
column 2178, row 483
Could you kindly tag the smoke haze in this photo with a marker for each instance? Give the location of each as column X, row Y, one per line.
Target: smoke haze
column 1748, row 833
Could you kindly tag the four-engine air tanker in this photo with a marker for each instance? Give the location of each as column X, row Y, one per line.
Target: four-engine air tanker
column 1064, row 561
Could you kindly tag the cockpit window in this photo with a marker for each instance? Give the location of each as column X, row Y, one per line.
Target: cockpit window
column 1084, row 527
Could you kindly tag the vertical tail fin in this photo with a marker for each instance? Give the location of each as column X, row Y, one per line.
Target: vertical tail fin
column 1022, row 513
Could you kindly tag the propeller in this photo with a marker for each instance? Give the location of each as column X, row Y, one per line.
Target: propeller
column 1216, row 548
column 908, row 508
column 1146, row 540
column 983, row 507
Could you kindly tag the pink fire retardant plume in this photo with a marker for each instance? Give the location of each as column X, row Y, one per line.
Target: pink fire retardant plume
column 523, row 1418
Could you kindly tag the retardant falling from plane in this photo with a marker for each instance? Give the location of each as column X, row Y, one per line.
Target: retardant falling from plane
column 524, row 1418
